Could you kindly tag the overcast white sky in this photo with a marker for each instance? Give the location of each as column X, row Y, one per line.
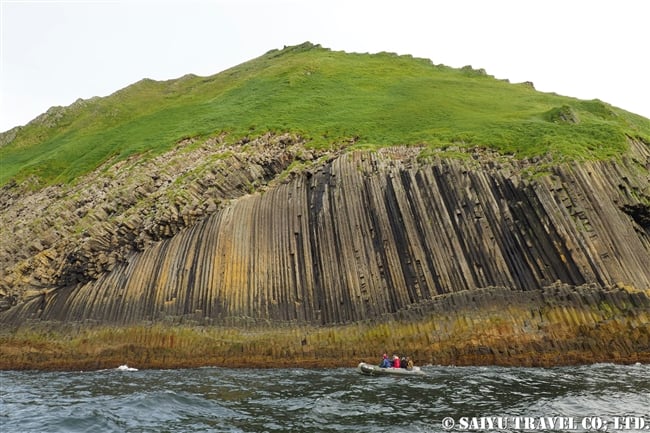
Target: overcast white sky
column 53, row 52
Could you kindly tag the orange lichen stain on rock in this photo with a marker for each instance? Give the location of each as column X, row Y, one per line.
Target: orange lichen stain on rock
column 515, row 335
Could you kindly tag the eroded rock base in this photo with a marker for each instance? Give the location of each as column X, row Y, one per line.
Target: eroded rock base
column 559, row 325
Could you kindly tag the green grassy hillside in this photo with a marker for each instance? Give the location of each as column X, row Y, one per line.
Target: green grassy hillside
column 328, row 97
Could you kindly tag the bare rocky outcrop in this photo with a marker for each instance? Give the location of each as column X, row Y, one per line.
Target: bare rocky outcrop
column 481, row 259
column 66, row 235
column 349, row 238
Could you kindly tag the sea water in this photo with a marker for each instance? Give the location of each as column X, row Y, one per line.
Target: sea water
column 602, row 397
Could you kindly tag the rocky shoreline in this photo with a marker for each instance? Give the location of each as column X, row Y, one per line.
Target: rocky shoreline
column 560, row 325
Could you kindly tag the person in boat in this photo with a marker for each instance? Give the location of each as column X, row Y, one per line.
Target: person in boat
column 396, row 363
column 385, row 362
column 409, row 363
column 403, row 361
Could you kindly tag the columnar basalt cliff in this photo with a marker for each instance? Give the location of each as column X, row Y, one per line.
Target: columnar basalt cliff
column 364, row 236
column 67, row 235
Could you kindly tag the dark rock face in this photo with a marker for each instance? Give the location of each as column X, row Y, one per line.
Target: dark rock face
column 364, row 235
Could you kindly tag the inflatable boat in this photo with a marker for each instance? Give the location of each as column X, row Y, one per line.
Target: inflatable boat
column 375, row 370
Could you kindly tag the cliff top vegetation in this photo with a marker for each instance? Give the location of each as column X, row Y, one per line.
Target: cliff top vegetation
column 330, row 98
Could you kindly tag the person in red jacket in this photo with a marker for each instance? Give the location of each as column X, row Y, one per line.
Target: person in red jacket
column 396, row 363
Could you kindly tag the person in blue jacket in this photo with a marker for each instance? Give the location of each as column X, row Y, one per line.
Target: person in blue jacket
column 385, row 362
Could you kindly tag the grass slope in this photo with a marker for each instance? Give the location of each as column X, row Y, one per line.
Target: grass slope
column 328, row 97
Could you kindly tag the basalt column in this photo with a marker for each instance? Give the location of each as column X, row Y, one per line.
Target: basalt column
column 369, row 234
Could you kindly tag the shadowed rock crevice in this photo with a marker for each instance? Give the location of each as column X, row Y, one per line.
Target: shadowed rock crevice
column 640, row 213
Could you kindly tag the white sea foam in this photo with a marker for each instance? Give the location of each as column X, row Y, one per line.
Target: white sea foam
column 125, row 367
